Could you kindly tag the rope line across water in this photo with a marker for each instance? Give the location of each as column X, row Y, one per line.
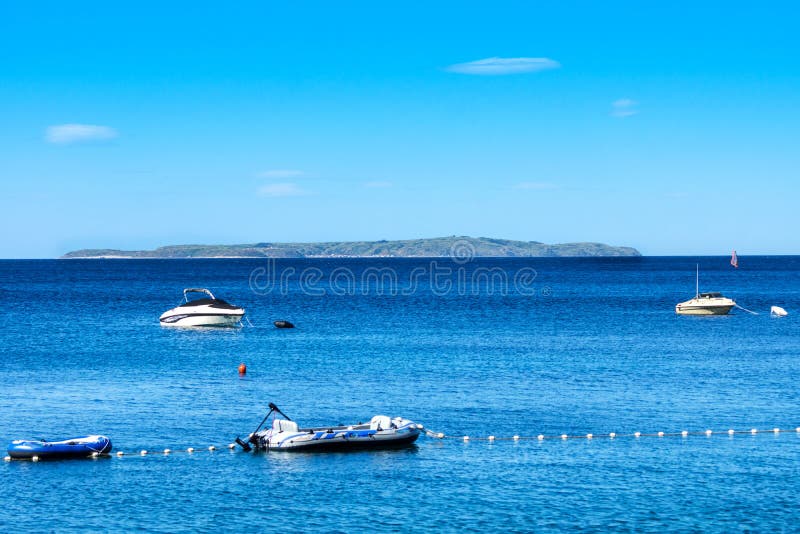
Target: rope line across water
column 610, row 435
column 491, row 438
column 147, row 452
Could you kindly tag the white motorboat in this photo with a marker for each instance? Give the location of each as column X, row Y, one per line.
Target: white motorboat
column 705, row 303
column 382, row 432
column 204, row 311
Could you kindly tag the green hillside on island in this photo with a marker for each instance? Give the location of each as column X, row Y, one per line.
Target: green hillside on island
column 412, row 248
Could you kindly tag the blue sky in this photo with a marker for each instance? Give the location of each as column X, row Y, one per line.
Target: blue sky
column 669, row 127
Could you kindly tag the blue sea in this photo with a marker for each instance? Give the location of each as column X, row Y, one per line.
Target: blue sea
column 464, row 346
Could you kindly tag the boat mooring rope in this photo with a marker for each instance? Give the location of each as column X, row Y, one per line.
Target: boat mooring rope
column 745, row 309
column 466, row 439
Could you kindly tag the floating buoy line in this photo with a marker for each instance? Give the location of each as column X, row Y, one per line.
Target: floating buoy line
column 149, row 452
column 231, row 447
column 609, row 435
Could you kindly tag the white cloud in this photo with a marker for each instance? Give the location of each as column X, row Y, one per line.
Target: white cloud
column 505, row 65
column 64, row 134
column 624, row 107
column 536, row 186
column 282, row 190
column 280, row 173
column 378, row 184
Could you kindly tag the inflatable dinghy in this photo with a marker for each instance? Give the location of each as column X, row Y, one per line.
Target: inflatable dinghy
column 381, row 432
column 84, row 447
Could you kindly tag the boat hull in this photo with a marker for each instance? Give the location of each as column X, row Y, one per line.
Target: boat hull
column 344, row 445
column 200, row 319
column 703, row 310
column 398, row 434
column 706, row 304
column 83, row 447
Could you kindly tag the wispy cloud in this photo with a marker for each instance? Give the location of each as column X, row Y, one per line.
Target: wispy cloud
column 282, row 190
column 281, row 173
column 624, row 107
column 65, row 134
column 504, row 65
column 378, row 184
column 536, row 186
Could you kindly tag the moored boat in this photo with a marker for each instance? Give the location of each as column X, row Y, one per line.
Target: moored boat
column 382, row 432
column 205, row 311
column 706, row 304
column 83, row 447
column 712, row 303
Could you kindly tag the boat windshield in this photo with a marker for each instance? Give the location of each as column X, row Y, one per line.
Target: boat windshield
column 197, row 292
column 711, row 295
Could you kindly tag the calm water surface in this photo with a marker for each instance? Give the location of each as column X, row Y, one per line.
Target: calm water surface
column 587, row 345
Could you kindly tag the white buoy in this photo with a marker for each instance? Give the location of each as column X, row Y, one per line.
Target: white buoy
column 637, row 434
column 731, row 432
column 212, row 448
column 777, row 311
column 120, row 454
column 564, row 436
column 143, row 452
column 540, row 437
column 754, row 431
column 440, row 435
column 660, row 434
column 167, row 451
column 589, row 436
column 466, row 438
column 708, row 432
column 95, row 454
column 231, row 446
column 776, row 430
column 420, row 427
column 516, row 438
column 797, row 429
column 7, row 458
column 34, row 458
column 491, row 438
column 612, row 435
column 684, row 433
column 190, row 450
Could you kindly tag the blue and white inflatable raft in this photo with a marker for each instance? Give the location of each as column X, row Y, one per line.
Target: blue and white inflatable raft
column 381, row 432
column 84, row 447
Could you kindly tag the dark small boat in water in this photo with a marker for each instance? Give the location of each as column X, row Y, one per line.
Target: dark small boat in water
column 283, row 324
column 84, row 447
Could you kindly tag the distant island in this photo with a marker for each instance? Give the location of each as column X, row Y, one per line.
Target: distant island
column 437, row 247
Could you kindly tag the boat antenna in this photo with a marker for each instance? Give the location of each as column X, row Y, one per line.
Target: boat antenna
column 697, row 281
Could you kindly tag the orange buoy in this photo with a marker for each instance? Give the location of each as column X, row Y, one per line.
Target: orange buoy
column 242, row 369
